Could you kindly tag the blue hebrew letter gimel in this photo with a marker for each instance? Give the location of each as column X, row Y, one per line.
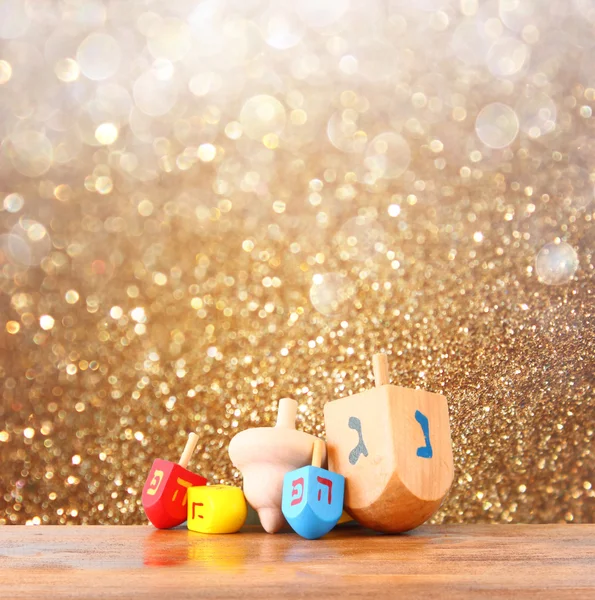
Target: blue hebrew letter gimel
column 355, row 423
column 424, row 451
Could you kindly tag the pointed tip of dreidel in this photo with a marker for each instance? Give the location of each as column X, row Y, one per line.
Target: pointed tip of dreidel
column 313, row 497
column 165, row 493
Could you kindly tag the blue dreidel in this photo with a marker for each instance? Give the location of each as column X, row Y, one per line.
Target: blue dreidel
column 313, row 497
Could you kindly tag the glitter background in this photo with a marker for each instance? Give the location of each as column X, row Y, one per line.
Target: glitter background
column 209, row 205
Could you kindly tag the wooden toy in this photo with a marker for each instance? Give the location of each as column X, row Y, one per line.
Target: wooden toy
column 313, row 497
column 216, row 509
column 165, row 494
column 264, row 455
column 392, row 445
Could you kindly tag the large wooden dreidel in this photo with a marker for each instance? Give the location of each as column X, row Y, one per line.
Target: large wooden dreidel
column 392, row 445
column 313, row 497
column 264, row 454
column 216, row 509
column 165, row 494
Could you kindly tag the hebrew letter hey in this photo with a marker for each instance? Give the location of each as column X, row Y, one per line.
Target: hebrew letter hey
column 329, row 485
column 355, row 423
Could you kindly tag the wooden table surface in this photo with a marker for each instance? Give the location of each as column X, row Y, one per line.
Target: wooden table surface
column 455, row 561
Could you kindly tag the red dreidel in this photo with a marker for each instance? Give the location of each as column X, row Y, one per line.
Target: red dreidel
column 165, row 495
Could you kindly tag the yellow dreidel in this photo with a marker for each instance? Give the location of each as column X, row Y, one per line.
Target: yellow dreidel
column 216, row 509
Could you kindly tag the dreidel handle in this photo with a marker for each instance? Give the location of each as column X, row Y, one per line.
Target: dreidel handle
column 286, row 413
column 380, row 367
column 188, row 450
column 317, row 452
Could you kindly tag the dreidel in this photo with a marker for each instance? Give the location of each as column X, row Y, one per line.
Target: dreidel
column 313, row 497
column 392, row 445
column 264, row 455
column 165, row 494
column 216, row 509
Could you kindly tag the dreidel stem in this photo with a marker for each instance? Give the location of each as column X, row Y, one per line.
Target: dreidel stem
column 287, row 413
column 317, row 452
column 188, row 450
column 380, row 366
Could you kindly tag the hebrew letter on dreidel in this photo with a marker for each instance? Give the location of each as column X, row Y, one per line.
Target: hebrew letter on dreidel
column 329, row 485
column 194, row 505
column 155, row 482
column 294, row 492
column 424, row 451
column 185, row 484
column 355, row 423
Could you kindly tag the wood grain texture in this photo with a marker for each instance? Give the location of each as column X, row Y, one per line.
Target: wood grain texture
column 392, row 444
column 456, row 561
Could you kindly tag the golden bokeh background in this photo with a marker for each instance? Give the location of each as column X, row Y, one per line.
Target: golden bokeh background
column 207, row 205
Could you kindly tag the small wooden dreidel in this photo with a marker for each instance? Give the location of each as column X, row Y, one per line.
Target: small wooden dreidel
column 313, row 497
column 392, row 445
column 216, row 509
column 264, row 455
column 165, row 494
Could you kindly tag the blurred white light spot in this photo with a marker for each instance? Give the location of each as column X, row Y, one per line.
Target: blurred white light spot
column 207, row 152
column 537, row 113
column 329, row 292
column 203, row 83
column 67, row 70
column 555, row 264
column 153, row 96
column 507, row 57
column 281, row 29
column 171, row 40
column 394, row 210
column 46, row 322
column 262, row 115
column 27, row 243
column 497, row 125
column 116, row 312
column 344, row 133
column 5, row 72
column 31, row 152
column 106, row 133
column 138, row 314
column 99, row 56
column 388, row 156
column 13, row 203
column 163, row 69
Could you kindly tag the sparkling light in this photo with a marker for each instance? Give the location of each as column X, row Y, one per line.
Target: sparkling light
column 328, row 293
column 99, row 56
column 497, row 125
column 262, row 115
column 556, row 264
column 106, row 133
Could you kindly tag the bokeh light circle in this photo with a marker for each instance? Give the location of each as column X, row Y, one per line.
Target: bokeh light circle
column 497, row 125
column 556, row 264
column 329, row 292
column 388, row 155
column 262, row 115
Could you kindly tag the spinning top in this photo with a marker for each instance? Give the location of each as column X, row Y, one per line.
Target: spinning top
column 313, row 497
column 392, row 445
column 165, row 494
